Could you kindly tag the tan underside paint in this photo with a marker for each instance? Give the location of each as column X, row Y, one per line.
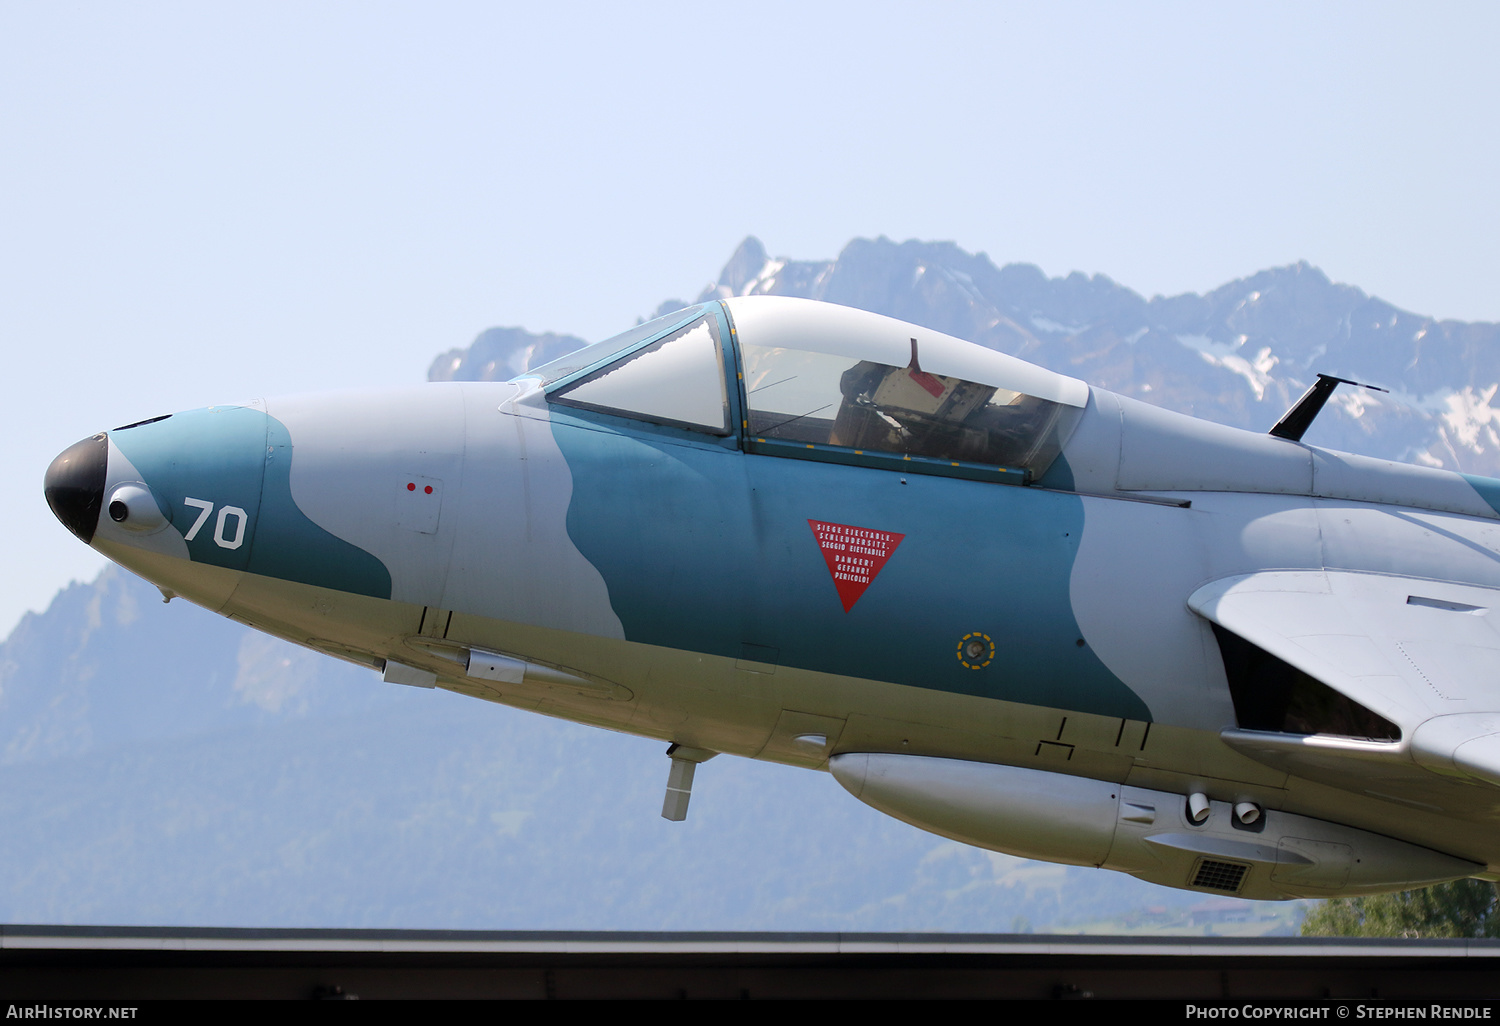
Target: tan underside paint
column 710, row 702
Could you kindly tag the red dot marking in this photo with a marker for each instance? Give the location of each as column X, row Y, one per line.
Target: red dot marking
column 411, row 486
column 429, row 489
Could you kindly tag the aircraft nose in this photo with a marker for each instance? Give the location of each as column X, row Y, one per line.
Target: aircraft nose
column 75, row 485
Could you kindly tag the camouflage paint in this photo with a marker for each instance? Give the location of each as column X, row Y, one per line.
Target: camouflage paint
column 1488, row 489
column 691, row 565
column 239, row 456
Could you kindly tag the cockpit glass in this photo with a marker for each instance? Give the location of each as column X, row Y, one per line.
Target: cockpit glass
column 677, row 380
column 829, row 399
column 592, row 354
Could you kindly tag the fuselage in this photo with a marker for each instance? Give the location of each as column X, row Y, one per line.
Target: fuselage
column 795, row 532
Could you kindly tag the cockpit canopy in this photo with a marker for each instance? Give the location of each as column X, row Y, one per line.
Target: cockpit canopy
column 816, row 380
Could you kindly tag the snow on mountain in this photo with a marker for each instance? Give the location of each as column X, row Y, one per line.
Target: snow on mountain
column 1241, row 355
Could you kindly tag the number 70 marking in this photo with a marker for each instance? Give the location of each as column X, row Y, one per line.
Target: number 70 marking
column 205, row 509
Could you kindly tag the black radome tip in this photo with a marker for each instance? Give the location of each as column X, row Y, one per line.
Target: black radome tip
column 75, row 485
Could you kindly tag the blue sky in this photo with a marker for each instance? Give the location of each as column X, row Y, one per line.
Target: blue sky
column 209, row 202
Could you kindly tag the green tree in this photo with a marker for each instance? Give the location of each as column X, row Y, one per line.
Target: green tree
column 1464, row 908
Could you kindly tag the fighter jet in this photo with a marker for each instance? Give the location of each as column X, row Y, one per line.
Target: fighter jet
column 993, row 601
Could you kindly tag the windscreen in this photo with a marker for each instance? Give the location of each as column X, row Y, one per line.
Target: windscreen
column 576, row 361
column 677, row 380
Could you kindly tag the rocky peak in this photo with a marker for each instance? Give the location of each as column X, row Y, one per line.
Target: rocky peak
column 499, row 354
column 1240, row 354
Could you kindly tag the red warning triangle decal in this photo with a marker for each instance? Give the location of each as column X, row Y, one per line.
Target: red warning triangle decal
column 855, row 555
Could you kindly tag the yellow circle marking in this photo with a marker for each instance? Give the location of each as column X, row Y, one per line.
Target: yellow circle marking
column 984, row 658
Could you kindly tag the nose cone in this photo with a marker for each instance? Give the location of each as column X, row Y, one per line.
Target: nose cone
column 75, row 485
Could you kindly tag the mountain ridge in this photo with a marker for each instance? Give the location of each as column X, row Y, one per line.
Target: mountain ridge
column 1240, row 354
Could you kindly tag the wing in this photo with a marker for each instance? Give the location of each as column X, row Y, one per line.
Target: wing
column 1379, row 684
